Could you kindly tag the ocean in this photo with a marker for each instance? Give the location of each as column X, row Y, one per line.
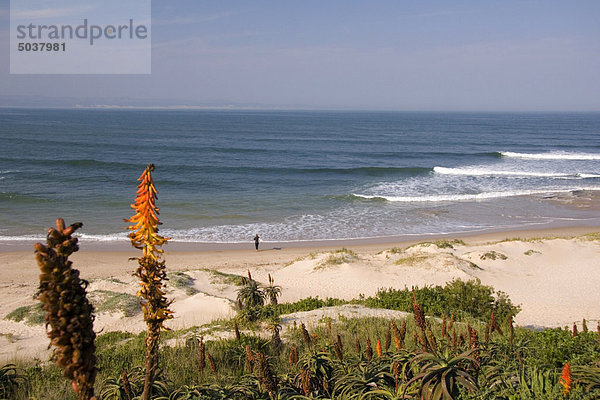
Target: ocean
column 223, row 176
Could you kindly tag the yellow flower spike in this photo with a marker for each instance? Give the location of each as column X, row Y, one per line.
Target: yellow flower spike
column 144, row 228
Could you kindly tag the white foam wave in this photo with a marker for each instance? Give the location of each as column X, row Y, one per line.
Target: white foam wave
column 23, row 238
column 486, row 172
column 103, row 238
column 554, row 155
column 469, row 197
column 94, row 238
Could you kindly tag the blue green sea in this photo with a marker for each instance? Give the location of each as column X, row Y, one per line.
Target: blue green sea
column 223, row 176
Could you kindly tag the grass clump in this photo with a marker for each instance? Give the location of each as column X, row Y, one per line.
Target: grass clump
column 32, row 314
column 222, row 277
column 442, row 244
column 411, row 260
column 341, row 256
column 591, row 236
column 109, row 301
column 395, row 250
column 493, row 255
column 183, row 281
column 531, row 252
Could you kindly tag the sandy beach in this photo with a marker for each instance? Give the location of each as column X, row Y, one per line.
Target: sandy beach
column 552, row 274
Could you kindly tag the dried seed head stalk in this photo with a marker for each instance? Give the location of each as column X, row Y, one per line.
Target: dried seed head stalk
column 419, row 314
column 249, row 359
column 305, row 334
column 473, row 337
column 451, row 323
column 213, row 366
column 575, row 332
column 512, row 332
column 431, row 339
column 339, row 343
column 403, row 330
column 126, row 385
column 494, row 325
column 276, row 339
column 425, row 346
column 69, row 314
column 487, row 333
column 339, row 348
column 584, row 327
column 357, row 345
column 154, row 303
column 265, row 375
column 388, row 339
column 293, row 356
column 444, row 327
column 368, row 350
column 305, row 378
column 236, row 329
column 474, row 342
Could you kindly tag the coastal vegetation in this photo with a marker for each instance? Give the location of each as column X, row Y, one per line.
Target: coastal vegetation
column 347, row 358
column 456, row 341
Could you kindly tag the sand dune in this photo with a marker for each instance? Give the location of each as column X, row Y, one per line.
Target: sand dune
column 554, row 280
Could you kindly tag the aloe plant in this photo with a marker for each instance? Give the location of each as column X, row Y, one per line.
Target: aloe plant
column 272, row 291
column 251, row 295
column 69, row 314
column 10, row 379
column 151, row 271
column 441, row 375
column 364, row 378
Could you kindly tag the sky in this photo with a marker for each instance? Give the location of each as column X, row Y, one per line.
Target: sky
column 471, row 55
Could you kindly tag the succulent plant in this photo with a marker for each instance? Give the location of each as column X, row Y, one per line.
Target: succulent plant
column 151, row 270
column 69, row 314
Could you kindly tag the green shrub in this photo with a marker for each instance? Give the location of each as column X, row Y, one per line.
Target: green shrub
column 32, row 314
column 228, row 279
column 493, row 255
column 108, row 301
column 183, row 281
column 307, row 304
column 465, row 299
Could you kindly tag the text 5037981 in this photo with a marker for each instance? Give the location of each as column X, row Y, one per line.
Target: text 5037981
column 42, row 46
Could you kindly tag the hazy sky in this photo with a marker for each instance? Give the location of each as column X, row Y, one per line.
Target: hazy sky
column 389, row 55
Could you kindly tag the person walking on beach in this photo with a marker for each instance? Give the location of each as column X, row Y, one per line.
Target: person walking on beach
column 256, row 241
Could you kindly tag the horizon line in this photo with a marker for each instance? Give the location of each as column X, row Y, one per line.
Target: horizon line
column 283, row 108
